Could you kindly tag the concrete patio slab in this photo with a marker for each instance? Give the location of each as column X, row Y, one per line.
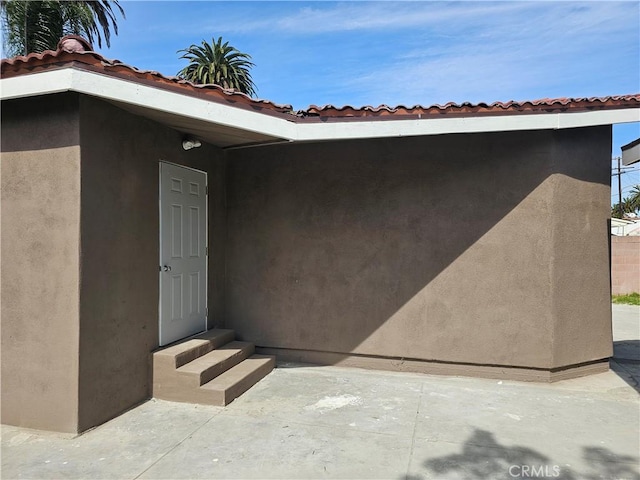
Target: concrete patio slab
column 270, row 448
column 121, row 448
column 304, row 422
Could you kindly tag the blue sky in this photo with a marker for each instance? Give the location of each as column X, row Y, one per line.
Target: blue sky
column 410, row 52
column 368, row 53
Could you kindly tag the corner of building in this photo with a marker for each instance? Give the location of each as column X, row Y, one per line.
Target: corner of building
column 582, row 334
column 40, row 262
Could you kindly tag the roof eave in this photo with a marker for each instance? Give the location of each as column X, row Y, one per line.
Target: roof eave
column 256, row 123
column 147, row 98
column 631, row 153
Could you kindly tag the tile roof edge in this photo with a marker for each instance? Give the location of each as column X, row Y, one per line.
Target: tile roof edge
column 75, row 52
column 567, row 104
column 94, row 62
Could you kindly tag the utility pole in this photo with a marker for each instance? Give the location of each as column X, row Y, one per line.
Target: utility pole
column 619, row 171
column 619, row 188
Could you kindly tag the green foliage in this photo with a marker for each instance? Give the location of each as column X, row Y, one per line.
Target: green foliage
column 630, row 204
column 629, row 299
column 218, row 63
column 30, row 26
column 633, row 200
column 617, row 211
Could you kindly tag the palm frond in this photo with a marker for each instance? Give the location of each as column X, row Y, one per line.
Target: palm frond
column 37, row 25
column 220, row 64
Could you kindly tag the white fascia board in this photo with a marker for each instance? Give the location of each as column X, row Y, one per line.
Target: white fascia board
column 438, row 126
column 44, row 83
column 110, row 88
column 598, row 117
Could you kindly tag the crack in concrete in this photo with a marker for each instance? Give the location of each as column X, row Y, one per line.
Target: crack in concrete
column 413, row 435
column 176, row 445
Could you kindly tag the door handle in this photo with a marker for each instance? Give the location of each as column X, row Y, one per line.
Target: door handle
column 166, row 268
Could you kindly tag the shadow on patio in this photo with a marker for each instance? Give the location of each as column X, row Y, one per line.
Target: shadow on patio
column 483, row 458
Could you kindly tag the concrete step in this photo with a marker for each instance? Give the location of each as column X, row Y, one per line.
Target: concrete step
column 228, row 386
column 211, row 368
column 178, row 355
column 205, row 368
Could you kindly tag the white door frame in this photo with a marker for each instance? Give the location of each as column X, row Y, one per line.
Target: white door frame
column 162, row 261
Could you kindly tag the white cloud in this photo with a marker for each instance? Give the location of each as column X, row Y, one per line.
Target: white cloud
column 330, row 17
column 534, row 50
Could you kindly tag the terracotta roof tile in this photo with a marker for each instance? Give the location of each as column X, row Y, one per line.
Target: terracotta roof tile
column 70, row 52
column 544, row 105
column 92, row 61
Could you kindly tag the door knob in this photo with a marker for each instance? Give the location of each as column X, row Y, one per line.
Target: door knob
column 166, row 268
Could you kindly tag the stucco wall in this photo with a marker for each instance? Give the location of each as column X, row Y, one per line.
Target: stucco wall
column 580, row 263
column 474, row 250
column 625, row 265
column 120, row 235
column 40, row 170
column 80, row 257
column 439, row 248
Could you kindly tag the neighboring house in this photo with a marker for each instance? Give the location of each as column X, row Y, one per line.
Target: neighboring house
column 622, row 227
column 625, row 242
column 438, row 239
column 631, row 152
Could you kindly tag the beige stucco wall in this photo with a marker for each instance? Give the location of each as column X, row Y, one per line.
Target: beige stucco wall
column 451, row 249
column 40, row 170
column 580, row 262
column 120, row 237
column 469, row 250
column 80, row 257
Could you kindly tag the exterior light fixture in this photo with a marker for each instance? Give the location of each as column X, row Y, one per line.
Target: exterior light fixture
column 189, row 143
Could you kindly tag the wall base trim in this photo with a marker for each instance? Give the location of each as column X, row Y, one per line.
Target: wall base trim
column 431, row 367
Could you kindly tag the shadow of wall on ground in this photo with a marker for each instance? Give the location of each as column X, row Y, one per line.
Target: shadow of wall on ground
column 483, row 458
column 626, row 361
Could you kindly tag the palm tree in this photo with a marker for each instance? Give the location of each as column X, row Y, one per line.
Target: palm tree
column 218, row 63
column 34, row 26
column 633, row 200
column 630, row 204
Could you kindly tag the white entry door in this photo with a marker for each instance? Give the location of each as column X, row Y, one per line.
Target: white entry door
column 183, row 252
